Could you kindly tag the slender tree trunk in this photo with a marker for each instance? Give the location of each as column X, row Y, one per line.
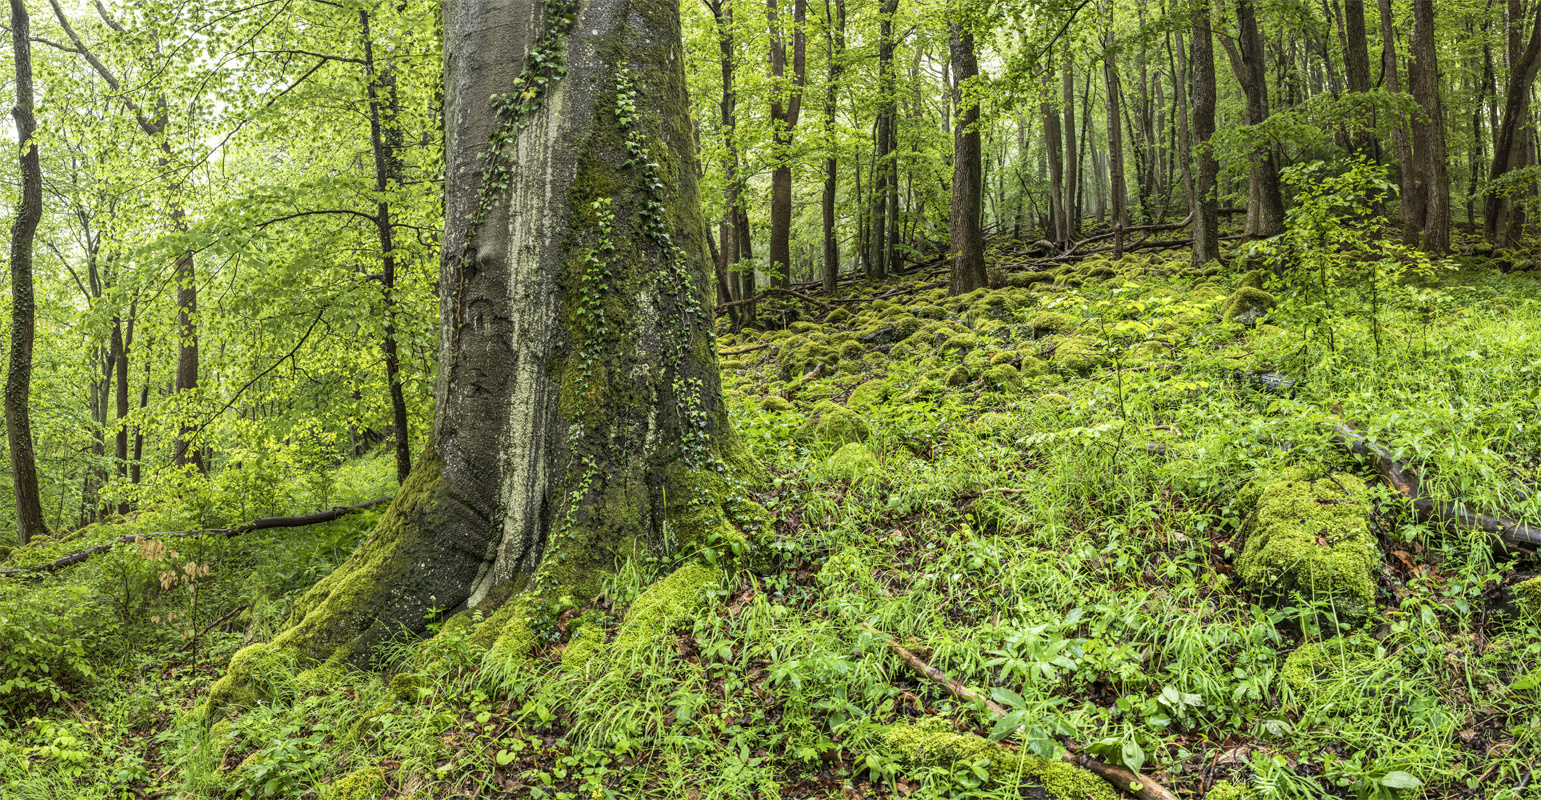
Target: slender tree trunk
column 1264, row 175
column 1072, row 162
column 1509, row 149
column 735, row 218
column 123, row 342
column 1412, row 197
column 1118, row 191
column 18, row 383
column 1206, row 223
column 1054, row 144
column 385, row 141
column 834, row 40
column 1184, row 125
column 967, row 254
column 1429, row 131
column 786, row 105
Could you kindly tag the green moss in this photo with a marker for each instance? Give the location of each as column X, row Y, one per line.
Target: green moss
column 409, row 687
column 584, row 646
column 990, row 423
column 849, row 463
column 1312, row 538
column 1247, row 305
column 868, row 395
column 1227, row 790
column 932, row 743
column 1048, row 322
column 773, row 403
column 958, row 376
column 830, row 424
column 1003, row 377
column 961, row 341
column 805, row 327
column 1337, row 658
column 931, row 312
column 662, row 606
column 1078, row 355
column 852, row 350
column 365, row 784
column 1529, row 596
column 837, row 316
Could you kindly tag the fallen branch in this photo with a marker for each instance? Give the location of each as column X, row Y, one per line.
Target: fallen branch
column 1514, row 534
column 212, row 625
column 1122, row 779
column 774, row 290
column 254, row 525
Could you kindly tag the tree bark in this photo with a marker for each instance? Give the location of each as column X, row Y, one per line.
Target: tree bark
column 885, row 189
column 1072, row 157
column 1206, row 224
column 123, row 342
column 1118, row 191
column 1429, row 131
column 18, row 382
column 834, row 40
column 1264, row 174
column 786, row 105
column 1509, row 148
column 579, row 414
column 1412, row 198
column 740, row 284
column 385, row 142
column 967, row 252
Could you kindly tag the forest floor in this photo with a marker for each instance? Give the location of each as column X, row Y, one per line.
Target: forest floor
column 1093, row 495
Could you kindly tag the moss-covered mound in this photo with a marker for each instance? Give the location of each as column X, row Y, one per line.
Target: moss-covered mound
column 1310, row 537
column 1247, row 305
column 830, row 424
column 932, row 743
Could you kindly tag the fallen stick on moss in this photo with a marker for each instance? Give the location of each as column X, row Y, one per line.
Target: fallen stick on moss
column 232, row 612
column 1121, row 779
column 254, row 525
column 1514, row 534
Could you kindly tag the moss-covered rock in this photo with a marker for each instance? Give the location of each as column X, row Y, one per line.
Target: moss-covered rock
column 932, row 743
column 869, row 394
column 583, row 648
column 850, row 462
column 1077, row 355
column 852, row 351
column 730, row 364
column 364, row 784
column 958, row 376
column 1003, row 377
column 775, row 403
column 1229, row 790
column 1247, row 305
column 1311, row 663
column 931, row 312
column 1311, row 538
column 662, row 606
column 831, row 424
column 1049, row 322
column 837, row 316
column 1528, row 597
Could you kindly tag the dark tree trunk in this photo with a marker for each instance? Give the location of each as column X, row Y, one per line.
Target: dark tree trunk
column 1509, row 147
column 1264, row 174
column 1072, row 158
column 385, row 140
column 1412, row 197
column 1118, row 191
column 18, row 382
column 885, row 188
column 835, row 50
column 740, row 285
column 123, row 342
column 1206, row 223
column 786, row 105
column 967, row 254
column 1429, row 131
column 1054, row 144
column 579, row 414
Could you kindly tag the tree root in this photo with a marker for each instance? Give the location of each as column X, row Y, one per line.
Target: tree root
column 254, row 525
column 1121, row 779
column 1517, row 536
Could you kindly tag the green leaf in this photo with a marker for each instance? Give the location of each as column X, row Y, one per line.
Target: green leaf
column 1400, row 780
column 1007, row 697
column 1007, row 724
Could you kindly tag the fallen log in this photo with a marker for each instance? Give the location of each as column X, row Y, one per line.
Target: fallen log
column 1140, row 786
column 254, row 525
column 1515, row 535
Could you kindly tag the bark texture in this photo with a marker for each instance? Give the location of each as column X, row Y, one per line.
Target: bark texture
column 1429, row 132
column 18, row 382
column 786, row 107
column 1206, row 223
column 579, row 414
column 967, row 240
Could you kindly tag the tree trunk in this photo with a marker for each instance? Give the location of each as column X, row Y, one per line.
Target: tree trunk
column 1184, row 125
column 740, row 285
column 579, row 414
column 385, row 141
column 1206, row 224
column 1429, row 131
column 1118, row 191
column 1072, row 158
column 1264, row 174
column 1509, row 148
column 1412, row 198
column 123, row 342
column 1054, row 144
column 967, row 244
column 885, row 186
column 18, row 382
column 786, row 104
column 834, row 40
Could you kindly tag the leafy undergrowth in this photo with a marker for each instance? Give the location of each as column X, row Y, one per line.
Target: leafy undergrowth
column 1061, row 492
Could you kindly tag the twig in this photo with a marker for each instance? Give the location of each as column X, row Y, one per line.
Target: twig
column 189, row 642
column 1122, row 779
column 254, row 525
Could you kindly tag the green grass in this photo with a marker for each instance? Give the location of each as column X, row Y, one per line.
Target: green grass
column 1027, row 539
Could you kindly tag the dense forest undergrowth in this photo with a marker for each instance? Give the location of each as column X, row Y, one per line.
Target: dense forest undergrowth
column 1109, row 495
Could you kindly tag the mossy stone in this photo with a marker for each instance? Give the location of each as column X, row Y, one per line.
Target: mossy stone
column 1078, row 355
column 867, row 395
column 1247, row 305
column 805, row 327
column 932, row 743
column 773, row 403
column 837, row 316
column 1312, row 538
column 831, row 424
column 931, row 312
column 1529, row 596
column 852, row 351
column 1047, row 322
column 961, row 341
column 730, row 364
column 850, row 462
column 1003, row 377
column 958, row 376
column 364, row 784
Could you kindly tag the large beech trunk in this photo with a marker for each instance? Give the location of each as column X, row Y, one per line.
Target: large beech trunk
column 579, row 414
column 1206, row 222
